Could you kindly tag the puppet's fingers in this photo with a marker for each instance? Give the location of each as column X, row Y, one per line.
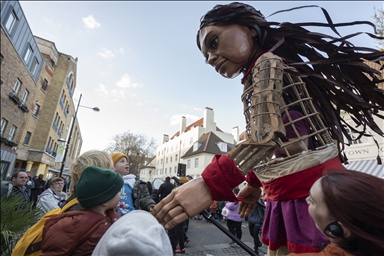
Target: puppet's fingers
column 176, row 220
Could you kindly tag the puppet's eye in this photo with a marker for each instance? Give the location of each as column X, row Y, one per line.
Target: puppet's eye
column 213, row 43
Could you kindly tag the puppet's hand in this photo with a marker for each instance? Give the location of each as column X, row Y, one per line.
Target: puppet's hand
column 250, row 196
column 182, row 203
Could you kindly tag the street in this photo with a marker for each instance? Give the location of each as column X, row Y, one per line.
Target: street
column 206, row 239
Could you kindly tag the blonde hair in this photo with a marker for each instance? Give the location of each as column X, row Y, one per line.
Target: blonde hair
column 89, row 158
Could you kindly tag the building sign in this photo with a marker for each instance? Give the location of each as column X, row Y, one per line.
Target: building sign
column 59, row 154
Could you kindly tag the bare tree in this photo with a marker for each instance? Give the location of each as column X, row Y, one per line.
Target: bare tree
column 379, row 22
column 136, row 147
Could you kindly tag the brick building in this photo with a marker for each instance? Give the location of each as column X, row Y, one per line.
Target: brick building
column 21, row 62
column 37, row 86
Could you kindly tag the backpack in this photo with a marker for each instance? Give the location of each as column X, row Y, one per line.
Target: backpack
column 30, row 242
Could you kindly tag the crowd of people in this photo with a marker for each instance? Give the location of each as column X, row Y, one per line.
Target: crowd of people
column 314, row 206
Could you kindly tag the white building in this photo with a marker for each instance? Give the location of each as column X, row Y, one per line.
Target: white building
column 362, row 154
column 193, row 145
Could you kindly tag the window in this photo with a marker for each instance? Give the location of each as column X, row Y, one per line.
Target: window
column 175, row 169
column 3, row 125
column 27, row 138
column 56, row 117
column 196, row 145
column 4, row 165
column 34, row 67
column 16, row 87
column 165, row 171
column 52, row 63
column 189, row 164
column 353, row 136
column 170, row 159
column 222, row 146
column 36, row 110
column 176, row 157
column 25, row 96
column 166, row 160
column 10, row 24
column 28, row 55
column 196, row 162
column 44, row 85
column 12, row 133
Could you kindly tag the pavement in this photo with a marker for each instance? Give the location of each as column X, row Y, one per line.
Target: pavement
column 208, row 240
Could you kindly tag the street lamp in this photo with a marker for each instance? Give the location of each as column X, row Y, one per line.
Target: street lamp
column 70, row 134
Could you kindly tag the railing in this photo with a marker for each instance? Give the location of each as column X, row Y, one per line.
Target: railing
column 62, row 103
column 55, row 126
column 8, row 142
column 23, row 107
column 15, row 98
column 48, row 150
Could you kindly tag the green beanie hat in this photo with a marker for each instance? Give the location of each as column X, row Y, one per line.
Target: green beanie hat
column 97, row 186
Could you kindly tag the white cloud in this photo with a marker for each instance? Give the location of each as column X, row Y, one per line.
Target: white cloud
column 121, row 49
column 90, row 22
column 102, row 91
column 197, row 108
column 139, row 104
column 176, row 119
column 108, row 54
column 126, row 82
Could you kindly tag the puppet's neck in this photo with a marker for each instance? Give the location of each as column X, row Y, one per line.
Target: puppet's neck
column 251, row 65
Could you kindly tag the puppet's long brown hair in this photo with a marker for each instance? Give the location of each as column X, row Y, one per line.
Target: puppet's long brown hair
column 335, row 73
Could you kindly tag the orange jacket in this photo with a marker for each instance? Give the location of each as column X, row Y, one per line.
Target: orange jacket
column 330, row 250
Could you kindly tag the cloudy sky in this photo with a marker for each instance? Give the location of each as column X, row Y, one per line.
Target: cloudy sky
column 139, row 63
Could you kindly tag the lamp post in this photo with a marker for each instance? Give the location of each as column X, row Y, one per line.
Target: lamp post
column 70, row 134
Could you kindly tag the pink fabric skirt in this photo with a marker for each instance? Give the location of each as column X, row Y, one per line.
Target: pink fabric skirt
column 288, row 223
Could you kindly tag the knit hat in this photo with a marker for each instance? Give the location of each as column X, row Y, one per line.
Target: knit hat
column 183, row 180
column 116, row 157
column 136, row 233
column 97, row 185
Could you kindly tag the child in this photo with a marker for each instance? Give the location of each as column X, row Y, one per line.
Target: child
column 136, row 233
column 78, row 232
column 134, row 194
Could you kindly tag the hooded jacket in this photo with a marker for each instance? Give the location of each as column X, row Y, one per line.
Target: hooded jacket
column 75, row 232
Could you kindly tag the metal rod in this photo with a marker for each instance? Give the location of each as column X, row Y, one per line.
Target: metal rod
column 208, row 216
column 69, row 139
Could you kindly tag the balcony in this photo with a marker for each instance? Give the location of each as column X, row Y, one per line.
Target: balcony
column 24, row 107
column 8, row 142
column 48, row 150
column 61, row 103
column 13, row 96
column 55, row 126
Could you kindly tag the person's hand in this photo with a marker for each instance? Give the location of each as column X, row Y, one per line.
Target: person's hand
column 250, row 196
column 182, row 203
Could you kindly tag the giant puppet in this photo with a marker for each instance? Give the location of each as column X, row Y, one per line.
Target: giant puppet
column 296, row 85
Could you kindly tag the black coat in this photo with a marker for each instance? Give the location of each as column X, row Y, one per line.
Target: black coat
column 164, row 190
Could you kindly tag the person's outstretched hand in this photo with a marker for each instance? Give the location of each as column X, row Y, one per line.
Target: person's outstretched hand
column 182, row 203
column 250, row 196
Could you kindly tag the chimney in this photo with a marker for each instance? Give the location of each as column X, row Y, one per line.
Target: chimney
column 208, row 123
column 235, row 133
column 165, row 138
column 183, row 124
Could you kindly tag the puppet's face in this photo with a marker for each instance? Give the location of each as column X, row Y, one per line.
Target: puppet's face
column 227, row 48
